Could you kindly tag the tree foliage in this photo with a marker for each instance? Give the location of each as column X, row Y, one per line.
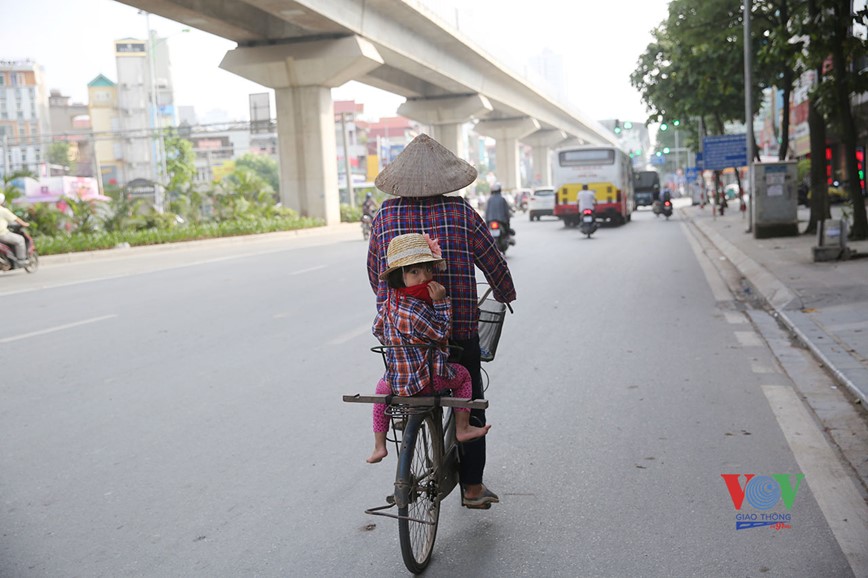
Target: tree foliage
column 264, row 166
column 694, row 68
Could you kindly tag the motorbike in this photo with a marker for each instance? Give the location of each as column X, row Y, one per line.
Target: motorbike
column 666, row 209
column 366, row 226
column 589, row 223
column 502, row 235
column 7, row 253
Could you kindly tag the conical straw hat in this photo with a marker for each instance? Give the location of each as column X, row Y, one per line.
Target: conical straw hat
column 425, row 168
column 408, row 249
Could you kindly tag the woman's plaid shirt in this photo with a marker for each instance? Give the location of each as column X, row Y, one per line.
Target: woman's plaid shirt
column 405, row 320
column 465, row 241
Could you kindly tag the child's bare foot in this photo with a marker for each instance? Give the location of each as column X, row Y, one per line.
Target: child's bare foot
column 378, row 455
column 466, row 434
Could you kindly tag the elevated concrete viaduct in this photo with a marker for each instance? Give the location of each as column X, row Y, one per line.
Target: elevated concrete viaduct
column 303, row 48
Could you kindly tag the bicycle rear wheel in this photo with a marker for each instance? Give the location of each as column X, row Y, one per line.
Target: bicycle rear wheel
column 419, row 466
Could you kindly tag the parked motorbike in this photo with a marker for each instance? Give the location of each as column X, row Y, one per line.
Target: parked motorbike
column 589, row 223
column 502, row 235
column 7, row 253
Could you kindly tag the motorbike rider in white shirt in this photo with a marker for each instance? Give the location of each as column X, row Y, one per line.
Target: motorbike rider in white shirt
column 587, row 200
column 7, row 237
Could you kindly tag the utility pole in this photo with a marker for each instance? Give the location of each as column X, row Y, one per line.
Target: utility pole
column 5, row 155
column 748, row 108
column 155, row 129
column 347, row 165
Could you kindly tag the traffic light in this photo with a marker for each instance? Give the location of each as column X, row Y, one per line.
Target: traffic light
column 659, row 154
column 860, row 167
column 628, row 125
column 676, row 123
column 617, row 126
column 665, row 150
column 664, row 127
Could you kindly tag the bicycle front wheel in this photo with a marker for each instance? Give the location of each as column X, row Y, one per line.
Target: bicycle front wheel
column 419, row 467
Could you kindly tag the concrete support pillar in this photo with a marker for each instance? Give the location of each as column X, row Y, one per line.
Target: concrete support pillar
column 308, row 153
column 542, row 142
column 446, row 116
column 507, row 133
column 302, row 76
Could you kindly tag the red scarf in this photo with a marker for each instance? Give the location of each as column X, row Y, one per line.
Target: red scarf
column 417, row 291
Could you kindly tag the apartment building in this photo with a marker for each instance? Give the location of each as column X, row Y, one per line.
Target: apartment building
column 24, row 118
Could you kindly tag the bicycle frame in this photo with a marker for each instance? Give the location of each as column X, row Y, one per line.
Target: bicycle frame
column 445, row 474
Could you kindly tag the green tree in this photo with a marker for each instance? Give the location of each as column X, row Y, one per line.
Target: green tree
column 694, row 66
column 264, row 166
column 11, row 191
column 780, row 53
column 180, row 163
column 830, row 41
column 58, row 154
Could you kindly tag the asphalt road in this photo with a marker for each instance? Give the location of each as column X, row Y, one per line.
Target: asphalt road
column 178, row 413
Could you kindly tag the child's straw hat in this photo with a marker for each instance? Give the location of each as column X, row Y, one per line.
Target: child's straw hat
column 425, row 168
column 409, row 249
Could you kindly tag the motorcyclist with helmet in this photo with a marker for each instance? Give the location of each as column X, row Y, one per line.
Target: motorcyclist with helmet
column 497, row 209
column 7, row 237
column 369, row 207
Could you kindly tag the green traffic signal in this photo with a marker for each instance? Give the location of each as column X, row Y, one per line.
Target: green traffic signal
column 676, row 123
column 659, row 154
column 665, row 150
column 628, row 125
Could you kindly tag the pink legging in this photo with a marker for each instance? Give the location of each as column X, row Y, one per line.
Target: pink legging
column 460, row 385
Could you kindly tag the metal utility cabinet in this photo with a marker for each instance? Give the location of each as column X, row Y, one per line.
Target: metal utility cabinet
column 775, row 210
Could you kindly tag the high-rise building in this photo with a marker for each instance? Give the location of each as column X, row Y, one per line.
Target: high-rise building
column 143, row 103
column 24, row 118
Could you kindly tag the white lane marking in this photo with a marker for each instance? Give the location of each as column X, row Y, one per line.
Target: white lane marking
column 712, row 276
column 748, row 339
column 53, row 329
column 757, row 367
column 735, row 318
column 308, row 270
column 352, row 334
column 844, row 509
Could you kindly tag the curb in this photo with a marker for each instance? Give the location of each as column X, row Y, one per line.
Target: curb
column 781, row 299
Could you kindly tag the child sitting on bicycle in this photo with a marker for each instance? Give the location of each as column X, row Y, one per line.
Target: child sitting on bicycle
column 417, row 312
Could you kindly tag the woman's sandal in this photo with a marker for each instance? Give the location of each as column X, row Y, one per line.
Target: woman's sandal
column 481, row 502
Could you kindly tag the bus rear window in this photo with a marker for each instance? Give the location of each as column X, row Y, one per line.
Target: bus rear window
column 583, row 157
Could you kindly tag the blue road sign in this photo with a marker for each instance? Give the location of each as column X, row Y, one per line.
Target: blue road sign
column 725, row 151
column 699, row 163
column 691, row 174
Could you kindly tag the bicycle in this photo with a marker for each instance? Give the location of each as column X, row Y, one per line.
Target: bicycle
column 428, row 453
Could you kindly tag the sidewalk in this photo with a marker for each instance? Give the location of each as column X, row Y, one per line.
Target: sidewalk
column 824, row 304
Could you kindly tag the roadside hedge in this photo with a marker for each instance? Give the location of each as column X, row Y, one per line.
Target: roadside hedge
column 77, row 242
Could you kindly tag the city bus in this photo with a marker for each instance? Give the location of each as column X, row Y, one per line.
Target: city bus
column 606, row 170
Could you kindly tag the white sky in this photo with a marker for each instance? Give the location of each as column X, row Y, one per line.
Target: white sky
column 600, row 42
